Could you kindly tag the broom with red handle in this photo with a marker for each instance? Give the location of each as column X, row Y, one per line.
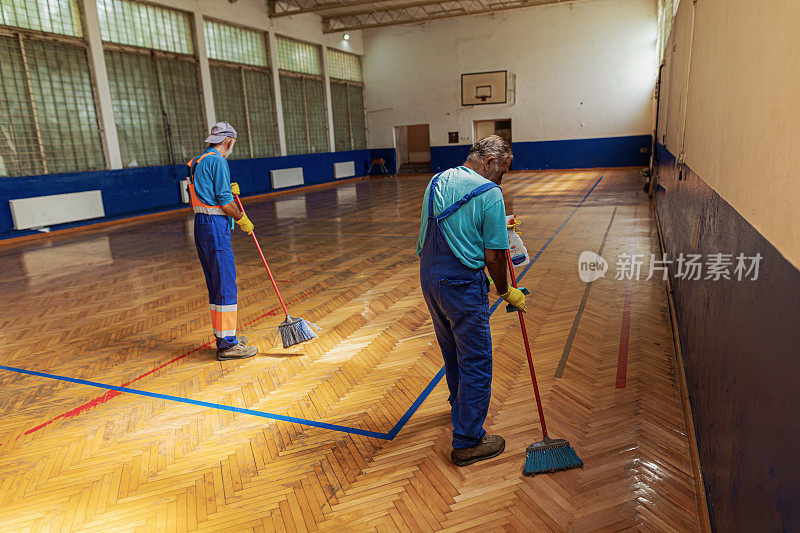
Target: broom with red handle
column 547, row 455
column 293, row 330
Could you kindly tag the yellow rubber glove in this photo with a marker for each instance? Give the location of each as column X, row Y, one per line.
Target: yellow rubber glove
column 245, row 225
column 235, row 189
column 515, row 297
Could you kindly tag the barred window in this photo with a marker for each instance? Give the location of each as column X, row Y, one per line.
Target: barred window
column 144, row 26
column 242, row 85
column 358, row 123
column 297, row 56
column 48, row 118
column 304, row 114
column 155, row 95
column 156, row 107
column 51, row 16
column 234, row 44
column 244, row 98
column 344, row 66
column 349, row 128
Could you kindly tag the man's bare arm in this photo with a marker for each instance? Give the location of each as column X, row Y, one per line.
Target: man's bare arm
column 232, row 210
column 496, row 264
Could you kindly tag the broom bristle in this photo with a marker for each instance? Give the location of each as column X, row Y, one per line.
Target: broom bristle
column 296, row 330
column 550, row 455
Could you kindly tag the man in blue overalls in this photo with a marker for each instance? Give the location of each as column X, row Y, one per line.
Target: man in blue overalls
column 463, row 229
column 211, row 195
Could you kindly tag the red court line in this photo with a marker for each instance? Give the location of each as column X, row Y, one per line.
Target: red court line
column 103, row 398
column 624, row 335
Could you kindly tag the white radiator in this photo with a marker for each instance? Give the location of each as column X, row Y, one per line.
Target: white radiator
column 184, row 185
column 345, row 169
column 43, row 211
column 286, row 177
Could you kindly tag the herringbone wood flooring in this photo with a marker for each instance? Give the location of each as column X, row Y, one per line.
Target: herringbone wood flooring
column 127, row 306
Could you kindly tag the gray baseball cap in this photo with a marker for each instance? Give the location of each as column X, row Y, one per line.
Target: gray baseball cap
column 219, row 132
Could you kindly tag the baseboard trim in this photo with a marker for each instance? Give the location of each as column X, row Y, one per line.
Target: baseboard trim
column 699, row 486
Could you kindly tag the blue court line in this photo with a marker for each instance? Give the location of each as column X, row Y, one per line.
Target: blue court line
column 374, row 235
column 302, row 421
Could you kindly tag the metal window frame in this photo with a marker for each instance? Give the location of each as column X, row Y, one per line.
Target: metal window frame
column 263, row 33
column 82, row 42
column 318, row 46
column 81, row 21
column 347, row 84
column 304, row 76
column 159, row 54
column 333, row 51
column 192, row 32
column 242, row 68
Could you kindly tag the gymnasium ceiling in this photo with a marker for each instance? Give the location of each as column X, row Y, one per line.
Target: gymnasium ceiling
column 344, row 15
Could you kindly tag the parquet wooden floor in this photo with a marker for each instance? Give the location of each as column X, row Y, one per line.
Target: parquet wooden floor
column 126, row 306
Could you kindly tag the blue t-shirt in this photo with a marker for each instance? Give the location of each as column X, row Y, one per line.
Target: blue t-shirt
column 212, row 179
column 479, row 224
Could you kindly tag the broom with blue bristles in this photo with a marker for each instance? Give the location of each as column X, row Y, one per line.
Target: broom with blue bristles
column 293, row 330
column 548, row 455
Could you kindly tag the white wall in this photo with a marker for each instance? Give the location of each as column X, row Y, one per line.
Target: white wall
column 584, row 70
column 734, row 82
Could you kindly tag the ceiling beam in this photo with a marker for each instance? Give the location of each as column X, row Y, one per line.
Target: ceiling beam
column 422, row 11
column 285, row 8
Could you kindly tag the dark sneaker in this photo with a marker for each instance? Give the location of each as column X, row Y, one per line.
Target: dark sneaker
column 490, row 446
column 240, row 351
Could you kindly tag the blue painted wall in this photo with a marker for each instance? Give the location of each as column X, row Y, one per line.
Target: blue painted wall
column 135, row 191
column 630, row 151
column 389, row 155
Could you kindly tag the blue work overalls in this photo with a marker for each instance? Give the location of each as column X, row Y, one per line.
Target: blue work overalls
column 457, row 299
column 212, row 237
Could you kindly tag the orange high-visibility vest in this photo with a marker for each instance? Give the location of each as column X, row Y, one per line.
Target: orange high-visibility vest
column 197, row 205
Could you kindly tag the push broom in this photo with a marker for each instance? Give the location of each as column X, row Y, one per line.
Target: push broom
column 293, row 330
column 548, row 455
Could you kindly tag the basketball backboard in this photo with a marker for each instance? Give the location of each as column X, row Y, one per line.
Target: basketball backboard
column 484, row 88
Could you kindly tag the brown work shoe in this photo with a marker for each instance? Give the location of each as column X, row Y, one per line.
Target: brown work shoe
column 240, row 351
column 490, row 446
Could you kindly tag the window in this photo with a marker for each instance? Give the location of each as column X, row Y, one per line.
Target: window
column 242, row 85
column 51, row 16
column 144, row 26
column 48, row 118
column 234, row 44
column 296, row 56
column 347, row 100
column 155, row 87
column 156, row 108
column 305, row 116
column 344, row 66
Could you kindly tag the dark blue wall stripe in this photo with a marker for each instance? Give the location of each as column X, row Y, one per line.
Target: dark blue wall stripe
column 740, row 342
column 134, row 191
column 627, row 151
